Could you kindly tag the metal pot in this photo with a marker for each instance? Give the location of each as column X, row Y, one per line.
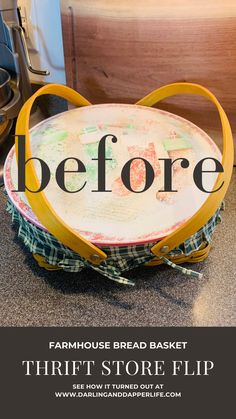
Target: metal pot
column 5, row 88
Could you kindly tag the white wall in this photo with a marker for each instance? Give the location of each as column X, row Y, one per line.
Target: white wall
column 42, row 21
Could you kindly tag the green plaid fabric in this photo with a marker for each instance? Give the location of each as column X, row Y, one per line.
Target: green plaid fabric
column 119, row 258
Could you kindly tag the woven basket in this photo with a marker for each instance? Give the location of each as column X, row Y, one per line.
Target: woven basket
column 61, row 247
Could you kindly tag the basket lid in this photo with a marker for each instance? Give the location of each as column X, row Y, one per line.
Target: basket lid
column 119, row 217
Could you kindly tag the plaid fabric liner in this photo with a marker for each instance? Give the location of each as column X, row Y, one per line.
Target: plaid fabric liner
column 119, row 258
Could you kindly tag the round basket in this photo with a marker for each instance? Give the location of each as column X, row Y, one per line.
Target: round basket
column 107, row 204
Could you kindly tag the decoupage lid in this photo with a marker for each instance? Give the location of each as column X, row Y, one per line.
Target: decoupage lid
column 119, row 217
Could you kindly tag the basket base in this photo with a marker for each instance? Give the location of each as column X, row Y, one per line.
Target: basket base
column 197, row 256
column 44, row 264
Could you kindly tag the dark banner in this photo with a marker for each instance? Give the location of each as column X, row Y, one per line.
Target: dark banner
column 55, row 371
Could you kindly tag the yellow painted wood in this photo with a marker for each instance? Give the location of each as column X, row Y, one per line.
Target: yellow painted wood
column 213, row 201
column 56, row 226
column 38, row 201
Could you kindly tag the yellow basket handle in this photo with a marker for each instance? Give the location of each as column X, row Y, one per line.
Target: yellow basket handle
column 38, row 201
column 69, row 237
column 201, row 217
